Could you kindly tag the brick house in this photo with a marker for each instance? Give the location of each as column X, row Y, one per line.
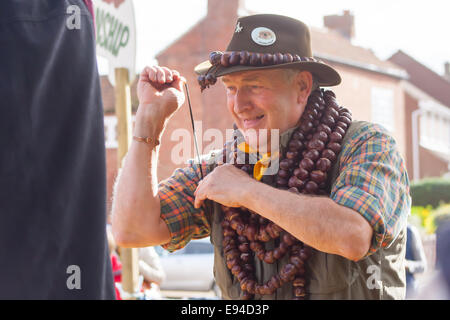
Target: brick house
column 427, row 108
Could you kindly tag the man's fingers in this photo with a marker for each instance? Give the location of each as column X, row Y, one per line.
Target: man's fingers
column 160, row 74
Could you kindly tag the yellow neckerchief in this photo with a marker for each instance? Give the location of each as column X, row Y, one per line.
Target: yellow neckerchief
column 262, row 164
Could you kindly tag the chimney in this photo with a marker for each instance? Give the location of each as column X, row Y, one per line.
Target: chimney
column 344, row 24
column 228, row 8
column 447, row 71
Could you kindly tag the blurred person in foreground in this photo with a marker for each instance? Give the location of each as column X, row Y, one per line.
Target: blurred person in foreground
column 319, row 212
column 52, row 165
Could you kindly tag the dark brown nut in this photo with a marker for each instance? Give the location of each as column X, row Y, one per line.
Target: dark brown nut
column 235, row 58
column 228, row 232
column 243, row 284
column 288, row 239
column 283, row 248
column 321, row 135
column 235, row 222
column 295, row 182
column 211, row 79
column 241, row 275
column 277, row 253
column 288, row 272
column 262, row 220
column 244, row 247
column 269, row 226
column 267, row 59
column 299, row 291
column 329, row 93
column 278, row 58
column 316, row 144
column 276, row 281
column 256, row 246
column 345, row 120
column 346, row 111
column 318, row 176
column 296, row 58
column 276, row 229
column 249, row 268
column 260, row 254
column 251, row 285
column 231, row 263
column 227, row 240
column 283, row 173
column 266, row 289
column 263, row 235
column 342, row 125
column 268, row 257
column 295, row 145
column 301, row 173
column 329, row 120
column 335, row 137
column 245, row 58
column 346, row 114
column 214, row 57
column 288, row 58
column 340, row 131
column 240, row 228
column 284, row 164
column 306, row 126
column 329, row 154
column 313, row 154
column 325, row 128
column 299, row 282
column 225, row 59
column 311, row 187
column 225, row 224
column 236, row 269
column 232, row 254
column 282, row 182
column 298, row 136
column 296, row 261
column 245, row 257
column 307, row 164
column 332, row 112
column 291, row 163
column 336, row 147
column 323, row 164
column 229, row 247
column 250, row 232
column 255, row 59
column 291, row 154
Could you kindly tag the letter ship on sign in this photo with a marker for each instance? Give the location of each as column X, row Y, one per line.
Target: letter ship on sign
column 116, row 35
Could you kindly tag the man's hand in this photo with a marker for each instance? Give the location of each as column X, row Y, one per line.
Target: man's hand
column 160, row 93
column 226, row 185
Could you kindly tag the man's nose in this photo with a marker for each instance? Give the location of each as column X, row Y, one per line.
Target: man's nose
column 241, row 101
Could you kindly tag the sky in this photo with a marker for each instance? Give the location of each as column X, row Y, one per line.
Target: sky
column 419, row 28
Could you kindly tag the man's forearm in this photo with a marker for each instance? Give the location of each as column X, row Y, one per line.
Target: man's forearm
column 316, row 221
column 136, row 205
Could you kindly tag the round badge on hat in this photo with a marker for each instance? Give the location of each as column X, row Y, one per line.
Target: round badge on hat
column 263, row 36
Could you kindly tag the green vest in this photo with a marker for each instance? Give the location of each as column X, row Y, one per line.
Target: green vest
column 329, row 276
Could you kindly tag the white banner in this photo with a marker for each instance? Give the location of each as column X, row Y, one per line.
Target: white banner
column 116, row 35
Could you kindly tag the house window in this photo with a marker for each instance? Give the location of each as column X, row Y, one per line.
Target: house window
column 383, row 107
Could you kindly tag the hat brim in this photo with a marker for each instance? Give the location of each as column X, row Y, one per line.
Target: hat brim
column 325, row 75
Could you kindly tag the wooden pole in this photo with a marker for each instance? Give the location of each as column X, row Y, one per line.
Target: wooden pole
column 128, row 256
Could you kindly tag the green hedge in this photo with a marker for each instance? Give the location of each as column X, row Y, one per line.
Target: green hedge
column 431, row 191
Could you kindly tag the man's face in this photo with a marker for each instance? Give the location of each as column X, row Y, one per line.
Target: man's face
column 264, row 99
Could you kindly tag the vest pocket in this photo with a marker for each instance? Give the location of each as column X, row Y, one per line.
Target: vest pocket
column 328, row 274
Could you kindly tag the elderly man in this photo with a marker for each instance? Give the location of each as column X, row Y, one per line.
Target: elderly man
column 329, row 223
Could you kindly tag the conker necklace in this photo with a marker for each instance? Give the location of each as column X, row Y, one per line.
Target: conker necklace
column 303, row 169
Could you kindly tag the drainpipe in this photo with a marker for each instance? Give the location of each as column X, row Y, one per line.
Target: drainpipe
column 416, row 143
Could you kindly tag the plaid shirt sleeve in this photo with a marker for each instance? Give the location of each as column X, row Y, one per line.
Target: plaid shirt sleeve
column 373, row 181
column 176, row 195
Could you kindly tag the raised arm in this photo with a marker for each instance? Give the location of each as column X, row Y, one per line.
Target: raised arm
column 136, row 218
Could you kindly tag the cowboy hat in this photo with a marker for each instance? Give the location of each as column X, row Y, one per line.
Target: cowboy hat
column 267, row 41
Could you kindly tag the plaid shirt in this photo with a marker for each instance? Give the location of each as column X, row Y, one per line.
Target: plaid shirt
column 372, row 180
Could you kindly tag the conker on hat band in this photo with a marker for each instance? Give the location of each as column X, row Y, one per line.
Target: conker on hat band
column 245, row 58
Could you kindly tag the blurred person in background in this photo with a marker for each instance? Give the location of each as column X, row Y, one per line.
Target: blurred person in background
column 416, row 261
column 151, row 269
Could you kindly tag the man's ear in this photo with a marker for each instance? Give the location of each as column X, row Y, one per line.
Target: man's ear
column 304, row 81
